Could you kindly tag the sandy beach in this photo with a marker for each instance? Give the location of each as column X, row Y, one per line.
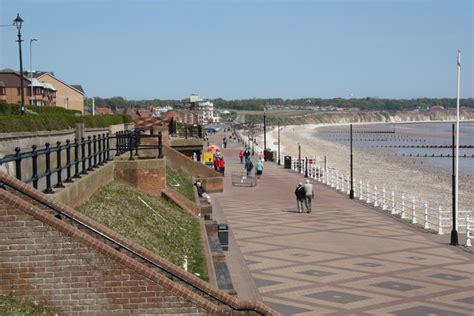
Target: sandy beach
column 401, row 175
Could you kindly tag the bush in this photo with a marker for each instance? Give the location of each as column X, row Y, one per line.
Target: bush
column 52, row 118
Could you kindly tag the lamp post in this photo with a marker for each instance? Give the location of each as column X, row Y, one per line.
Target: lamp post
column 34, row 39
column 351, row 192
column 299, row 157
column 18, row 22
column 279, row 162
column 454, row 232
column 264, row 134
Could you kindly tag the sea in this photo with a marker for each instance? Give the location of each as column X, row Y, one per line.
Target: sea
column 430, row 142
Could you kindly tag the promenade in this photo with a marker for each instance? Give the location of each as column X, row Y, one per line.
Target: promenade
column 345, row 258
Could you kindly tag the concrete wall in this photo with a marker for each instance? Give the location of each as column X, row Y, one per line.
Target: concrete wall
column 79, row 192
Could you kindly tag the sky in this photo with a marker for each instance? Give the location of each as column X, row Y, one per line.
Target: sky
column 144, row 49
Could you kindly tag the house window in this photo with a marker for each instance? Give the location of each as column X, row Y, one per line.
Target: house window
column 2, row 91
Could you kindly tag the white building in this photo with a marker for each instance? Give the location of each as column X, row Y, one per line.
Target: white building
column 204, row 109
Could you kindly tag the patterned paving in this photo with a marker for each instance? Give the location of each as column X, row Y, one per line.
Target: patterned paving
column 344, row 258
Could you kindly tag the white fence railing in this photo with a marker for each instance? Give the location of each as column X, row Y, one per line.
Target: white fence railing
column 408, row 208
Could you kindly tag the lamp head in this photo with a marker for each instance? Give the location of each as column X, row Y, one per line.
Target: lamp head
column 18, row 21
column 34, row 39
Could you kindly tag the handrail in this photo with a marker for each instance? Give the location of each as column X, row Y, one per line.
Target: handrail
column 122, row 246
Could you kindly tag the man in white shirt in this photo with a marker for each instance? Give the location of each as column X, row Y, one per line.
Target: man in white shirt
column 308, row 189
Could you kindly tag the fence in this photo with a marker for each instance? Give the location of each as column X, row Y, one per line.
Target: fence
column 80, row 157
column 397, row 204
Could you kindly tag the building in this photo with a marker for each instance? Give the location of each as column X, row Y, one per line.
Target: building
column 68, row 96
column 204, row 110
column 44, row 94
column 103, row 110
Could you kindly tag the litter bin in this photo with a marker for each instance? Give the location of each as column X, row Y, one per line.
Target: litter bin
column 223, row 234
column 267, row 153
column 287, row 162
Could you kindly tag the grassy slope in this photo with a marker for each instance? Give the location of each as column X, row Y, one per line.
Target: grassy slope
column 181, row 182
column 10, row 306
column 162, row 227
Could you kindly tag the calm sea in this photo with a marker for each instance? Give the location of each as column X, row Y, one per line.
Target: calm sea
column 410, row 141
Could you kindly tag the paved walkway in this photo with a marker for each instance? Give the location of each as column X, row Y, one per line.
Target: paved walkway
column 343, row 258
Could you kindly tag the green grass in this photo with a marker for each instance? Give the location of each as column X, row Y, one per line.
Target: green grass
column 161, row 227
column 181, row 182
column 11, row 306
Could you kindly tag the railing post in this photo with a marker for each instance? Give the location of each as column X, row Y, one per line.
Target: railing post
column 76, row 159
column 305, row 167
column 130, row 145
column 83, row 155
column 348, row 182
column 384, row 198
column 337, row 180
column 104, row 148
column 68, row 162
column 376, row 202
column 368, row 193
column 394, row 211
column 89, row 153
column 137, row 142
column 18, row 163
column 94, row 140
column 413, row 219
column 48, row 169
column 99, row 150
column 160, row 145
column 108, row 147
column 34, row 160
column 59, row 167
column 468, row 232
column 403, row 214
column 361, row 193
column 440, row 221
column 427, row 224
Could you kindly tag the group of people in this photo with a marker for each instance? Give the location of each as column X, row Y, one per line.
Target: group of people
column 304, row 196
column 248, row 166
column 219, row 162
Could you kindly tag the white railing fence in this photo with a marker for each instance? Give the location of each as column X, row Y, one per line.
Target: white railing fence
column 406, row 207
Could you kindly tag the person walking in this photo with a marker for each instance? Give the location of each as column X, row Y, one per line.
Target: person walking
column 247, row 154
column 224, row 142
column 222, row 166
column 248, row 167
column 309, row 195
column 259, row 168
column 300, row 197
column 241, row 156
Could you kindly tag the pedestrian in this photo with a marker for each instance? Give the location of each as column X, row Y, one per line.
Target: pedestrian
column 216, row 163
column 261, row 156
column 309, row 195
column 224, row 142
column 248, row 166
column 247, row 154
column 259, row 168
column 241, row 156
column 222, row 165
column 300, row 197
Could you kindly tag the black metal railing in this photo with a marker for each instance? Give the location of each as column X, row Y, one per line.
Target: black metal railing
column 187, row 131
column 56, row 165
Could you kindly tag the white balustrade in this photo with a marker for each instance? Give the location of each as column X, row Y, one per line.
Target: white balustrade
column 413, row 218
column 384, row 198
column 427, row 224
column 337, row 181
column 376, row 202
column 469, row 228
column 440, row 221
column 361, row 194
column 368, row 193
column 393, row 211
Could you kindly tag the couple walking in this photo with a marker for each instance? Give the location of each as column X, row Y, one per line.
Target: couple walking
column 304, row 194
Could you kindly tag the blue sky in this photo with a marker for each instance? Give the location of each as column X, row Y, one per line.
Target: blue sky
column 243, row 49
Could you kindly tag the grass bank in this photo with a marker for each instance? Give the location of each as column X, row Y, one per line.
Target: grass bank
column 11, row 306
column 154, row 223
column 181, row 182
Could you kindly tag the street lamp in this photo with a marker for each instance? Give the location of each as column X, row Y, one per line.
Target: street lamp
column 264, row 134
column 279, row 143
column 34, row 39
column 18, row 22
column 351, row 192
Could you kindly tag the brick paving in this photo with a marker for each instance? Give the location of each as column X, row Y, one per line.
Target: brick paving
column 344, row 258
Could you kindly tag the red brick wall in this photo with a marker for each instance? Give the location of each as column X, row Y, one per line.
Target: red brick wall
column 48, row 266
column 148, row 175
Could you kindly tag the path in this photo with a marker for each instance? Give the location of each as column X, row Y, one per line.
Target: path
column 344, row 258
